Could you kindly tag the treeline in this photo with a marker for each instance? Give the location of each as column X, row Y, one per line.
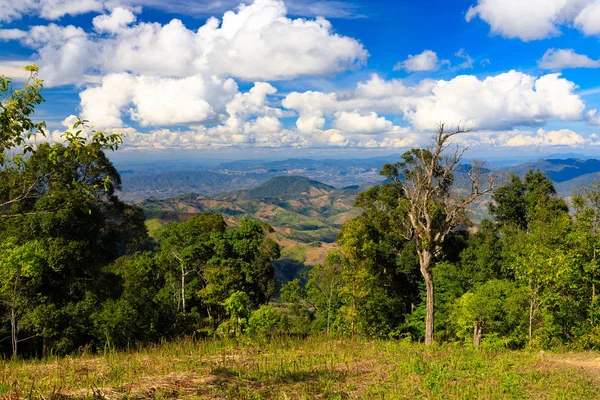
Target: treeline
column 77, row 269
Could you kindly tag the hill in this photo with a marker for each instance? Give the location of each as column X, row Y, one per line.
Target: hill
column 282, row 187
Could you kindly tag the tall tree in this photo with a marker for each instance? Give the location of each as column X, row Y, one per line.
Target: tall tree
column 433, row 211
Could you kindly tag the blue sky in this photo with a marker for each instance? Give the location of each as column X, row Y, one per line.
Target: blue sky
column 304, row 77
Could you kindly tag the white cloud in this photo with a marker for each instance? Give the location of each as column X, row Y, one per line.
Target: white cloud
column 156, row 101
column 355, row 122
column 497, row 102
column 15, row 70
column 588, row 20
column 563, row 137
column 566, row 58
column 426, row 61
column 114, row 22
column 12, row 34
column 468, row 60
column 256, row 42
column 11, row 10
column 593, row 117
column 537, row 19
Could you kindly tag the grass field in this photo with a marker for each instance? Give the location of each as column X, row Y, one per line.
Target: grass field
column 311, row 368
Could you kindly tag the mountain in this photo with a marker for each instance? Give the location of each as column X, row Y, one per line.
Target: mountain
column 298, row 208
column 558, row 170
column 139, row 186
column 282, row 187
column 567, row 188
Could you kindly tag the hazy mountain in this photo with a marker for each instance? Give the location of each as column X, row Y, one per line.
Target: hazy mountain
column 559, row 170
column 139, row 186
column 298, row 208
column 282, row 187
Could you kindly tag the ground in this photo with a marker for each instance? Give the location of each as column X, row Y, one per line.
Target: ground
column 313, row 368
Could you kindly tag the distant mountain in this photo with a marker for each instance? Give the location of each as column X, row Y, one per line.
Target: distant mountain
column 558, row 170
column 137, row 187
column 282, row 187
column 567, row 188
column 299, row 209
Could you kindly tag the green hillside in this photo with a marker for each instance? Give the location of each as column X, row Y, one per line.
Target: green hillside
column 282, row 187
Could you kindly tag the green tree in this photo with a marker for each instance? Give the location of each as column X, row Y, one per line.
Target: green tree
column 431, row 209
column 20, row 274
column 494, row 307
column 587, row 217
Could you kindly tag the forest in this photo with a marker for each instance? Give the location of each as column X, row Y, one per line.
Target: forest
column 79, row 271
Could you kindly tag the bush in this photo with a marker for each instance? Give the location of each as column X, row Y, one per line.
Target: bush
column 267, row 322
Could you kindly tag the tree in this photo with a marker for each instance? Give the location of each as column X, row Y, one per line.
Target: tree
column 323, row 286
column 493, row 307
column 517, row 202
column 432, row 210
column 587, row 217
column 20, row 272
column 16, row 110
column 187, row 247
column 21, row 183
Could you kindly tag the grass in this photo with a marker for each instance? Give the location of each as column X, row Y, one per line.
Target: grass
column 316, row 367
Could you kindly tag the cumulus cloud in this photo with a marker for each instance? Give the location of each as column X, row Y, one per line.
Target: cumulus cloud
column 256, row 42
column 426, row 61
column 566, row 58
column 537, row 19
column 355, row 122
column 155, row 100
column 588, row 20
column 497, row 102
column 563, row 137
column 115, row 21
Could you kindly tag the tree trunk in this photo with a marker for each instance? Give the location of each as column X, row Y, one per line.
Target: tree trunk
column 329, row 307
column 13, row 331
column 593, row 293
column 45, row 346
column 477, row 334
column 425, row 261
column 13, row 319
column 532, row 308
column 183, row 289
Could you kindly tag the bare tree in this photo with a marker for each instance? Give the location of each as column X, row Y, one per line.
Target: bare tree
column 433, row 209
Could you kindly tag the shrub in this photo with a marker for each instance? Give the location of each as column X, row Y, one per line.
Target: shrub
column 267, row 322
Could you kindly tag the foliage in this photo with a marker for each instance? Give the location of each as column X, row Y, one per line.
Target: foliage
column 267, row 322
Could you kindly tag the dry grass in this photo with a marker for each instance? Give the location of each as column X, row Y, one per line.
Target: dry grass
column 296, row 369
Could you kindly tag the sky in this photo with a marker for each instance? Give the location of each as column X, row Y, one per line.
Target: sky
column 336, row 78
